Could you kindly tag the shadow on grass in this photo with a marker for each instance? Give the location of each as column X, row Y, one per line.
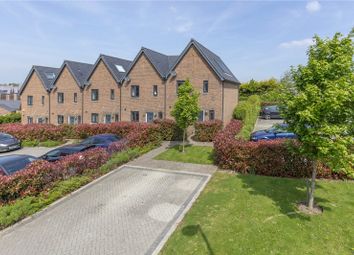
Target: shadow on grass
column 286, row 193
column 193, row 230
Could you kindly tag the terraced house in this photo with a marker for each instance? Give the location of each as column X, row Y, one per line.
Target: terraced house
column 115, row 89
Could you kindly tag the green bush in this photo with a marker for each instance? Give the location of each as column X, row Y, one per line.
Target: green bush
column 13, row 117
column 248, row 112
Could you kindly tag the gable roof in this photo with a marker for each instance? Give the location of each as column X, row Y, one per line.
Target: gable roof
column 44, row 73
column 112, row 63
column 215, row 62
column 80, row 71
column 10, row 106
column 159, row 61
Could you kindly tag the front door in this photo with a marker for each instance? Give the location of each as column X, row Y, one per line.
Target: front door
column 149, row 117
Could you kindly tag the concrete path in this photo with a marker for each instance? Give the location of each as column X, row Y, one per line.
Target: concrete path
column 147, row 160
column 132, row 210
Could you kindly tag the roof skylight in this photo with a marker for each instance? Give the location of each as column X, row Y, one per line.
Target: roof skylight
column 50, row 76
column 120, row 68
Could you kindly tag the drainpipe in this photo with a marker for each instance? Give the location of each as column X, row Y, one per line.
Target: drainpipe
column 165, row 100
column 49, row 112
column 120, row 101
column 222, row 107
column 82, row 104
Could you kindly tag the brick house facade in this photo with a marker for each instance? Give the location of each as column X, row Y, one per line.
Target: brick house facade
column 142, row 90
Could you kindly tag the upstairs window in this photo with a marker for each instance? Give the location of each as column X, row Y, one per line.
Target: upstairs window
column 135, row 116
column 75, row 97
column 135, row 91
column 43, row 100
column 60, row 97
column 205, row 87
column 155, row 91
column 29, row 100
column 112, row 94
column 94, row 94
column 94, row 117
column 179, row 83
column 120, row 68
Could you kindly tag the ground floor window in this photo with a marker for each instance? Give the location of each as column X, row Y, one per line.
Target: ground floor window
column 135, row 116
column 160, row 115
column 40, row 120
column 73, row 120
column 108, row 118
column 29, row 120
column 149, row 117
column 94, row 117
column 201, row 116
column 60, row 119
column 211, row 115
column 116, row 117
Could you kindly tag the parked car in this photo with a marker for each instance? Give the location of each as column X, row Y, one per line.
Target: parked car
column 101, row 141
column 8, row 143
column 271, row 112
column 66, row 150
column 276, row 132
column 13, row 163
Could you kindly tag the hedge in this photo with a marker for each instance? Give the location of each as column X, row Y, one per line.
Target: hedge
column 271, row 158
column 205, row 131
column 13, row 117
column 45, row 132
column 42, row 175
column 248, row 112
column 169, row 130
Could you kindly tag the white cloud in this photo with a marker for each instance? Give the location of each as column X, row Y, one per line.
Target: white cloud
column 313, row 6
column 184, row 27
column 297, row 43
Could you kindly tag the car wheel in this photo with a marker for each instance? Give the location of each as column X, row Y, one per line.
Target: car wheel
column 267, row 117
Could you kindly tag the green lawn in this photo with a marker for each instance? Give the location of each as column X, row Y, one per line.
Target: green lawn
column 192, row 154
column 246, row 214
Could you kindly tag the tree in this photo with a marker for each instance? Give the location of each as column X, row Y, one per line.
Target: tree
column 321, row 112
column 186, row 109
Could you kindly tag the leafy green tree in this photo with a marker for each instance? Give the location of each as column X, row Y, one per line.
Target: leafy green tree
column 321, row 113
column 186, row 108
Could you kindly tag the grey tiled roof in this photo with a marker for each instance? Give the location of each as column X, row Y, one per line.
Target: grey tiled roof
column 112, row 63
column 161, row 62
column 79, row 70
column 10, row 106
column 214, row 61
column 44, row 73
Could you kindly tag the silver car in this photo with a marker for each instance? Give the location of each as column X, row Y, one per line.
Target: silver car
column 8, row 143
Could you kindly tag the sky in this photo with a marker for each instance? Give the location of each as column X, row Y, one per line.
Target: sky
column 255, row 39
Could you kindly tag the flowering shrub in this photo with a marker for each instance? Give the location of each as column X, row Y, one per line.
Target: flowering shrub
column 271, row 158
column 42, row 175
column 40, row 132
column 169, row 130
column 205, row 131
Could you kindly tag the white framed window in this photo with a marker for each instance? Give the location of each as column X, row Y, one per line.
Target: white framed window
column 94, row 117
column 108, row 118
column 120, row 68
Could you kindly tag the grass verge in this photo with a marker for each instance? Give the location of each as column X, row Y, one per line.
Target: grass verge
column 35, row 143
column 247, row 214
column 192, row 154
column 22, row 208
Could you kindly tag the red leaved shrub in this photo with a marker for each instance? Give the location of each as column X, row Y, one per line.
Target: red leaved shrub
column 271, row 158
column 205, row 131
column 41, row 132
column 169, row 130
column 42, row 175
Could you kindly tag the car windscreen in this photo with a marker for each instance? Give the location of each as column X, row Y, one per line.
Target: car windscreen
column 16, row 165
column 5, row 136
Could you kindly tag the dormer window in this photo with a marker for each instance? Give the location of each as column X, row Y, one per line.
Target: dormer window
column 120, row 68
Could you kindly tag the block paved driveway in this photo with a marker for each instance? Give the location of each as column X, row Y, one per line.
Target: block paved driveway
column 130, row 211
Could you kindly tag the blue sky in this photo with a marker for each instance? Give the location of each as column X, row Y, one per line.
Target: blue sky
column 256, row 39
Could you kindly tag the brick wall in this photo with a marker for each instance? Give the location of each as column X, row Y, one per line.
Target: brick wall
column 67, row 85
column 35, row 89
column 144, row 75
column 102, row 80
column 194, row 67
column 231, row 94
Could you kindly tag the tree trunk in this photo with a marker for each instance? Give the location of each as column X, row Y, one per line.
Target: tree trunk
column 311, row 193
column 184, row 134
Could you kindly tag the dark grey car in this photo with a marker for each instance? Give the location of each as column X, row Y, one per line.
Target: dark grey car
column 271, row 112
column 14, row 163
column 8, row 143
